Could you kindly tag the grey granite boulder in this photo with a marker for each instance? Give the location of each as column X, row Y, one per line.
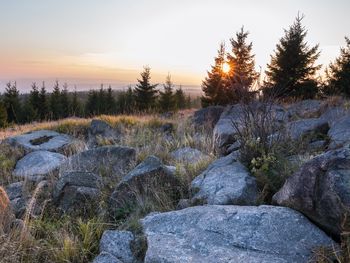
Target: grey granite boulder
column 189, row 155
column 78, row 192
column 339, row 133
column 148, row 177
column 225, row 182
column 36, row 165
column 118, row 245
column 112, row 161
column 42, row 140
column 207, row 117
column 105, row 257
column 300, row 128
column 333, row 114
column 306, row 109
column 222, row 234
column 320, row 190
column 101, row 130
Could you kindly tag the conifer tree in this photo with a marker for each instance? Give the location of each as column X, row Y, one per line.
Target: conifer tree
column 292, row 69
column 242, row 72
column 65, row 101
column 145, row 92
column 55, row 102
column 214, row 85
column 110, row 103
column 166, row 97
column 338, row 73
column 180, row 98
column 3, row 115
column 12, row 103
column 34, row 101
column 43, row 103
column 29, row 112
column 75, row 106
column 91, row 107
column 126, row 101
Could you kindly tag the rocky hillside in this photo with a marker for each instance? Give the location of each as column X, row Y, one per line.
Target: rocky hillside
column 260, row 182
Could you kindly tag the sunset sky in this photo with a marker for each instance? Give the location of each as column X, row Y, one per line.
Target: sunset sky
column 86, row 42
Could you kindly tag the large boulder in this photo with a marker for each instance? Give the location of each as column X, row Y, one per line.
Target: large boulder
column 37, row 165
column 112, row 161
column 42, row 140
column 117, row 245
column 207, row 117
column 320, row 190
column 339, row 133
column 148, row 177
column 78, row 192
column 333, row 114
column 105, row 257
column 100, row 130
column 225, row 182
column 222, row 234
column 306, row 109
column 18, row 197
column 189, row 155
column 301, row 128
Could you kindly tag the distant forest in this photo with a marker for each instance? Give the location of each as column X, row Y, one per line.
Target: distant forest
column 39, row 105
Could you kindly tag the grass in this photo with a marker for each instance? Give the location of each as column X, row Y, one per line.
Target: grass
column 49, row 237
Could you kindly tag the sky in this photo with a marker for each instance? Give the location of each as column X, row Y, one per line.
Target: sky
column 88, row 42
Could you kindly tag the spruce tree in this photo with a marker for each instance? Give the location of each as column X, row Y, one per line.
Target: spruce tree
column 55, row 102
column 43, row 103
column 29, row 112
column 291, row 72
column 180, row 99
column 34, row 101
column 75, row 106
column 338, row 73
column 126, row 101
column 166, row 97
column 110, row 103
column 3, row 115
column 91, row 106
column 65, row 101
column 214, row 85
column 242, row 72
column 12, row 103
column 145, row 92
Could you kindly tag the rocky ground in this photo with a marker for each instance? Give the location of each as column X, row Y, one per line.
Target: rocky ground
column 247, row 183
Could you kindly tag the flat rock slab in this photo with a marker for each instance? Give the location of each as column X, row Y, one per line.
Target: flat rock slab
column 225, row 182
column 36, row 165
column 222, row 234
column 339, row 133
column 41, row 140
column 189, row 155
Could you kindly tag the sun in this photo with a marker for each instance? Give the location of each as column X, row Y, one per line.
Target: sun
column 226, row 68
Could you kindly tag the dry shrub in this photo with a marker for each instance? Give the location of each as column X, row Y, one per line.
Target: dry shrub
column 6, row 216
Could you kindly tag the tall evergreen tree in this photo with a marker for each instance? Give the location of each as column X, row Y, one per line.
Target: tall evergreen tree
column 34, row 101
column 30, row 114
column 180, row 99
column 12, row 103
column 75, row 106
column 242, row 72
column 91, row 106
column 43, row 103
column 338, row 73
column 65, row 101
column 292, row 69
column 145, row 92
column 55, row 102
column 214, row 85
column 3, row 115
column 166, row 97
column 126, row 101
column 110, row 103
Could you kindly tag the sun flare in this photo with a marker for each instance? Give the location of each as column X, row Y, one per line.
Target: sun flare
column 226, row 68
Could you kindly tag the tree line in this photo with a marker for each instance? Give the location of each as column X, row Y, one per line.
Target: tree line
column 291, row 73
column 39, row 105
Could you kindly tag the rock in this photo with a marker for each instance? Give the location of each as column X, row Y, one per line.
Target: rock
column 332, row 115
column 306, row 109
column 320, row 189
column 149, row 176
column 301, row 128
column 207, row 117
column 42, row 140
column 318, row 145
column 18, row 199
column 77, row 192
column 189, row 155
column 117, row 244
column 183, row 203
column 225, row 182
column 15, row 190
column 224, row 234
column 101, row 130
column 112, row 161
column 105, row 257
column 339, row 133
column 37, row 165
